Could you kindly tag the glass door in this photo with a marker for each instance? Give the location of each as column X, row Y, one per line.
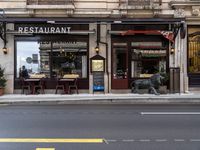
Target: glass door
column 119, row 66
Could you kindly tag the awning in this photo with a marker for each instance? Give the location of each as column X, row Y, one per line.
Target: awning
column 167, row 34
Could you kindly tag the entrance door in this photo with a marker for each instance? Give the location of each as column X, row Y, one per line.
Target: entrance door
column 119, row 66
column 194, row 62
column 194, row 56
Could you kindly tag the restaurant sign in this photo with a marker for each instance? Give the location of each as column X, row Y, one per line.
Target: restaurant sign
column 43, row 30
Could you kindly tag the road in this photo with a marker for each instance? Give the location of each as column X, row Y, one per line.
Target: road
column 106, row 127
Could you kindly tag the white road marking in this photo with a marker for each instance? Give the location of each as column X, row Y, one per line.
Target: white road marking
column 179, row 140
column 170, row 113
column 111, row 141
column 45, row 148
column 161, row 140
column 128, row 140
column 149, row 140
column 195, row 140
column 105, row 141
column 145, row 140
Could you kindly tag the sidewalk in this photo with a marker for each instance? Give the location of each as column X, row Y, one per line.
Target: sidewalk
column 190, row 98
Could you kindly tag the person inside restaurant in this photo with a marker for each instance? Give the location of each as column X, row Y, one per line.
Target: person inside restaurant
column 24, row 72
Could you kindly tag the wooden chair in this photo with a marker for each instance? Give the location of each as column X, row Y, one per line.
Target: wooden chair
column 74, row 85
column 25, row 86
column 59, row 86
column 40, row 86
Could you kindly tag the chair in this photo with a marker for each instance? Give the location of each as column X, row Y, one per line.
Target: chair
column 73, row 86
column 25, row 86
column 40, row 86
column 59, row 86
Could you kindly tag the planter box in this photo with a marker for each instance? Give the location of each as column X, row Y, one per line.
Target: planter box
column 163, row 90
column 1, row 91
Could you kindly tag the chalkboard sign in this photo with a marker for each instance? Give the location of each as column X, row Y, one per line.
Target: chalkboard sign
column 98, row 81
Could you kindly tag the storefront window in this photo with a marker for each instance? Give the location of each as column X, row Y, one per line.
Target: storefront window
column 69, row 58
column 52, row 59
column 147, row 58
column 28, row 56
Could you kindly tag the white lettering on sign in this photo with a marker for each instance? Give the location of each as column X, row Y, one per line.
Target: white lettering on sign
column 44, row 30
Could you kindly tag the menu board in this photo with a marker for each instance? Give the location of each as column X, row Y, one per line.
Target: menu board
column 97, row 65
column 98, row 81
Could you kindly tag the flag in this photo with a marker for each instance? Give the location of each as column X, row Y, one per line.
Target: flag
column 168, row 35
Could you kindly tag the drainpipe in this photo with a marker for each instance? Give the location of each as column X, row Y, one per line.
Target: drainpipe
column 107, row 73
column 106, row 44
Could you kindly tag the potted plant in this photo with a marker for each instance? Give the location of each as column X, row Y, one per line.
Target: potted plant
column 2, row 81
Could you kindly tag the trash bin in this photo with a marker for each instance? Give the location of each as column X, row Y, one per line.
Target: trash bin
column 174, row 79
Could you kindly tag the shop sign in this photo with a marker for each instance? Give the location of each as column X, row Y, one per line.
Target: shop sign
column 158, row 52
column 98, row 81
column 35, row 58
column 43, row 30
column 97, row 65
column 29, row 60
column 146, row 44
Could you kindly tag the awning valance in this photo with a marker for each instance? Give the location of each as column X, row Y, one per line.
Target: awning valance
column 167, row 34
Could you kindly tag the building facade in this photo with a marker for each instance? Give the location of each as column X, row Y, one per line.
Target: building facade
column 134, row 38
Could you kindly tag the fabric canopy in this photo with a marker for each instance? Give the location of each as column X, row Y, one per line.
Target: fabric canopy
column 167, row 34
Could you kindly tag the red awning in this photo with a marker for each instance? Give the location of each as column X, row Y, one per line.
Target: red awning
column 167, row 34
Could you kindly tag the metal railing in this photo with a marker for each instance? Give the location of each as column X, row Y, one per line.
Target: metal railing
column 49, row 2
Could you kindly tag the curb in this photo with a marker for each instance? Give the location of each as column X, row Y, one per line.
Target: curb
column 144, row 101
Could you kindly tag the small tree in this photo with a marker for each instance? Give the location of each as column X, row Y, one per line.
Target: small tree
column 2, row 78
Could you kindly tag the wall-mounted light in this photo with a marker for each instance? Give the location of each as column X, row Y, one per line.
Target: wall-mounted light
column 172, row 51
column 62, row 50
column 97, row 49
column 5, row 50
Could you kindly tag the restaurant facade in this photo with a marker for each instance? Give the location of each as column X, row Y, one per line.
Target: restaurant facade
column 105, row 54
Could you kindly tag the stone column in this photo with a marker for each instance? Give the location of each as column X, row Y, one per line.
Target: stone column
column 92, row 45
column 179, row 59
column 7, row 60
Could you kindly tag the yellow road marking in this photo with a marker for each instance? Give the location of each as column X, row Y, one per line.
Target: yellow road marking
column 42, row 140
column 45, row 148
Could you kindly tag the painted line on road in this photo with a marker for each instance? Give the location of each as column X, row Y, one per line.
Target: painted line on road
column 128, row 140
column 195, row 140
column 145, row 140
column 179, row 140
column 170, row 113
column 161, row 140
column 45, row 148
column 43, row 140
column 111, row 140
column 105, row 141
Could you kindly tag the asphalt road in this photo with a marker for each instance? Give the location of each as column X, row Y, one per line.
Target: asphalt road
column 114, row 127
